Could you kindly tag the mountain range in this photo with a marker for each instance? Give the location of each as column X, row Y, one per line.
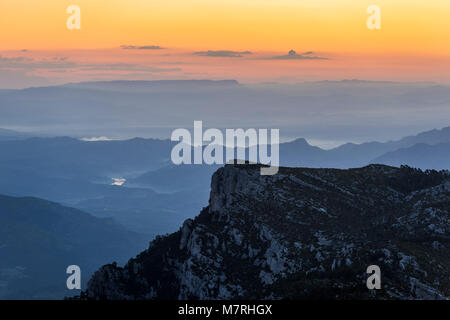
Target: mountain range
column 327, row 110
column 80, row 173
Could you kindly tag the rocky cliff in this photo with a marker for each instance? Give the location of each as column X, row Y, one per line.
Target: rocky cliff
column 300, row 234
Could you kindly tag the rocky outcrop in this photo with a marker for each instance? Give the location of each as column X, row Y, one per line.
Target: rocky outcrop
column 300, row 234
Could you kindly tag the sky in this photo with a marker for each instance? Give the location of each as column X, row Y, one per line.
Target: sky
column 247, row 40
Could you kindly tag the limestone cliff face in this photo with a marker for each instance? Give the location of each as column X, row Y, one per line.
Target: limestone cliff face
column 300, row 234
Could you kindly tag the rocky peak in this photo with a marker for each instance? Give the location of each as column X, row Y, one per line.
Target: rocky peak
column 300, row 234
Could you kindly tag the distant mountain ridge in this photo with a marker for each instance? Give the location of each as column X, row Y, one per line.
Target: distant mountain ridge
column 6, row 134
column 420, row 155
column 355, row 155
column 53, row 156
column 152, row 83
column 122, row 109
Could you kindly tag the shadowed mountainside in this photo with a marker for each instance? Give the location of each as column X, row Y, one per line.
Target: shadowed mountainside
column 40, row 239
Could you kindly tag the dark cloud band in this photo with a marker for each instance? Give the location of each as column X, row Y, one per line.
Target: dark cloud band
column 222, row 53
column 125, row 47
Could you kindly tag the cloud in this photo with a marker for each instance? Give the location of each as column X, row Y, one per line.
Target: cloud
column 6, row 61
column 16, row 63
column 152, row 47
column 125, row 67
column 62, row 64
column 292, row 55
column 95, row 139
column 222, row 53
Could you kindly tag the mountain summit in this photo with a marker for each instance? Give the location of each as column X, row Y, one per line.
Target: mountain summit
column 300, row 234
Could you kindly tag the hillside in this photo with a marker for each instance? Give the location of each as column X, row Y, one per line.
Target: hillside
column 39, row 239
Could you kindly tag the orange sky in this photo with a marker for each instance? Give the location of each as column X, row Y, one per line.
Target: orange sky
column 413, row 43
